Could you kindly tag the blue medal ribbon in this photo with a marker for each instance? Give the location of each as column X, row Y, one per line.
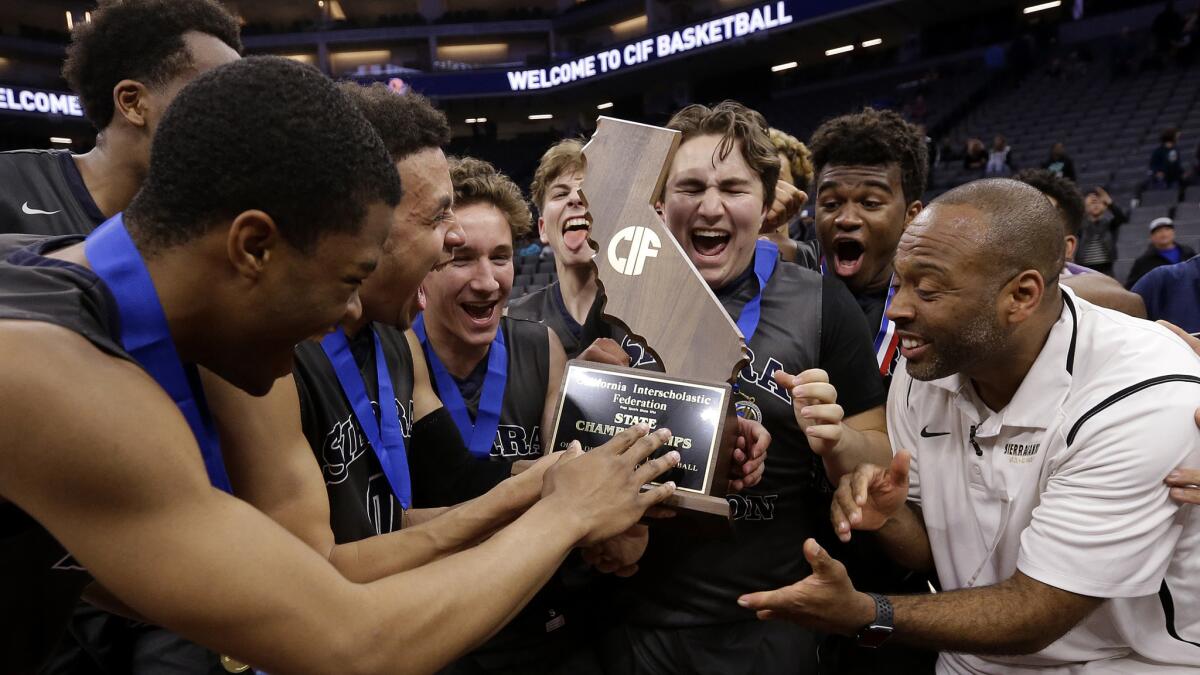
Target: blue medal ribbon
column 144, row 333
column 383, row 434
column 766, row 254
column 478, row 435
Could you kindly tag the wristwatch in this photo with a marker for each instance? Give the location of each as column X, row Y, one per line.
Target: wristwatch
column 878, row 631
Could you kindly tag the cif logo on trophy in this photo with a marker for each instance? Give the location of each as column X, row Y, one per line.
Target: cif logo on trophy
column 643, row 243
column 698, row 346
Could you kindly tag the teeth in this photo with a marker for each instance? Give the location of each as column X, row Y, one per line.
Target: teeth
column 911, row 343
column 709, row 233
column 576, row 222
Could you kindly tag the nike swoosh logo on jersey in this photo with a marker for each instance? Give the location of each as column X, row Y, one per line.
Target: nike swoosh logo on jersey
column 926, row 433
column 25, row 208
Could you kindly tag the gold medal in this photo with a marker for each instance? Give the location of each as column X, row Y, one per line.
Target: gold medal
column 232, row 665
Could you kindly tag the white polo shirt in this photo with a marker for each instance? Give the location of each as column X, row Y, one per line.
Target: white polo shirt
column 1065, row 484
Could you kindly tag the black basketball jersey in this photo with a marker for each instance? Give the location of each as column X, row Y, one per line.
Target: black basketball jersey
column 40, row 583
column 806, row 322
column 519, row 434
column 43, row 193
column 546, row 306
column 539, row 637
column 361, row 501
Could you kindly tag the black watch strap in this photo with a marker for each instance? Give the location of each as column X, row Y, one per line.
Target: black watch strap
column 878, row 631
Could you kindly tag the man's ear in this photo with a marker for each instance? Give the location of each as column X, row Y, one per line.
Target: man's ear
column 252, row 238
column 911, row 212
column 131, row 102
column 1024, row 293
column 542, row 231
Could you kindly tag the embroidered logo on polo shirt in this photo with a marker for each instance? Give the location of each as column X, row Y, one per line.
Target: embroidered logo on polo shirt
column 926, row 433
column 1021, row 453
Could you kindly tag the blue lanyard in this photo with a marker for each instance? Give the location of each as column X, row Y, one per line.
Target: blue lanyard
column 765, row 255
column 384, row 434
column 480, row 435
column 145, row 335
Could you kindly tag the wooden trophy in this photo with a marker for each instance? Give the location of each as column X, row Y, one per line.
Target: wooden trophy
column 652, row 290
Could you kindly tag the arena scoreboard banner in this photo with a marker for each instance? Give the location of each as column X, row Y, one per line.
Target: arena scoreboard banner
column 38, row 101
column 706, row 35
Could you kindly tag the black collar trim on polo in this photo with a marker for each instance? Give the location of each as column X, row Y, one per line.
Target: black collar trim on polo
column 1074, row 333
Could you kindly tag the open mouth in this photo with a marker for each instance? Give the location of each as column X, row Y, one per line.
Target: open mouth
column 847, row 256
column 709, row 242
column 575, row 232
column 480, row 313
column 912, row 346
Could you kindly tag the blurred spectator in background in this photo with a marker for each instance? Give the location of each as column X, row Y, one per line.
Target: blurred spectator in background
column 1166, row 165
column 1097, row 238
column 795, row 168
column 931, row 149
column 917, row 109
column 1172, row 293
column 1196, row 166
column 1124, row 54
column 1167, row 30
column 1000, row 158
column 976, row 156
column 1059, row 162
column 1162, row 250
column 527, row 245
column 1096, row 288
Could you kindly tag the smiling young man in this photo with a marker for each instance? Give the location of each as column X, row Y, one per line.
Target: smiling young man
column 498, row 376
column 126, row 65
column 231, row 253
column 684, row 617
column 1023, row 473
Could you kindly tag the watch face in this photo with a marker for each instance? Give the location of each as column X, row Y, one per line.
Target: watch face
column 874, row 635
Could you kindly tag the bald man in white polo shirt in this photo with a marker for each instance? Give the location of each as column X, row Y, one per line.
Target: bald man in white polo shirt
column 1041, row 428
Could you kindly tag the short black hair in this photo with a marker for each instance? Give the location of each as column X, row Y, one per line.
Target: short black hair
column 874, row 138
column 293, row 146
column 1065, row 193
column 407, row 123
column 138, row 40
column 1022, row 230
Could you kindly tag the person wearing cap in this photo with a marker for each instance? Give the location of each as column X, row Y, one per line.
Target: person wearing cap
column 1162, row 250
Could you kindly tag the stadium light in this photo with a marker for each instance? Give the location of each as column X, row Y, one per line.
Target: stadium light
column 70, row 21
column 60, row 139
column 480, row 120
column 839, row 50
column 1045, row 5
column 469, row 120
column 545, row 116
column 604, row 106
column 872, row 42
column 784, row 66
